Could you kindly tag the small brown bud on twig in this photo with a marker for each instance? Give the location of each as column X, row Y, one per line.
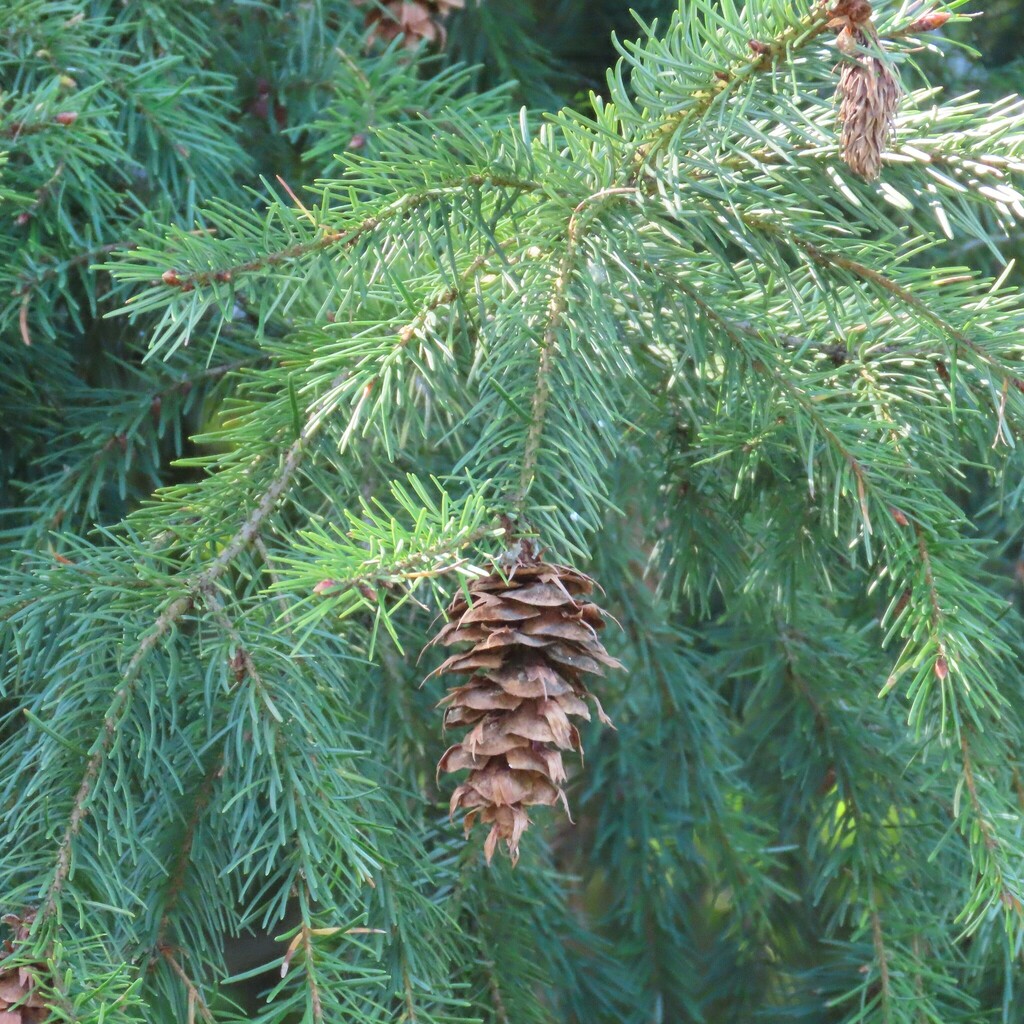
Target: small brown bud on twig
column 66, row 117
column 171, row 278
column 759, row 47
column 928, row 22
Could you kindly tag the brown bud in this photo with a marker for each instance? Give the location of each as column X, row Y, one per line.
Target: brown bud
column 758, row 47
column 928, row 23
column 171, row 278
column 857, row 11
column 66, row 117
column 941, row 667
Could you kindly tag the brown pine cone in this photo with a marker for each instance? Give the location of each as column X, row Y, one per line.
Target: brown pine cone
column 532, row 636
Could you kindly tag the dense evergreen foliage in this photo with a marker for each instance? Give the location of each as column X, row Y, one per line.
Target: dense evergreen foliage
column 301, row 337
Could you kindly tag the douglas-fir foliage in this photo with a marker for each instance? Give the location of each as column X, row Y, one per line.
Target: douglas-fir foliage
column 700, row 342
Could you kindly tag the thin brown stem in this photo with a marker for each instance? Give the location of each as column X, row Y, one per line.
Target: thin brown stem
column 882, row 959
column 500, row 1012
column 176, row 876
column 549, row 340
column 991, row 843
column 315, row 1001
column 195, row 997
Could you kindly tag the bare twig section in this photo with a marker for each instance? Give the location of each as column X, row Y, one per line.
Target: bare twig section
column 882, row 959
column 315, row 1001
column 410, row 1000
column 500, row 1012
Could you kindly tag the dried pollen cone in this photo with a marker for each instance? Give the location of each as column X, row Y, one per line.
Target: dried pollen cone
column 20, row 1001
column 532, row 636
column 868, row 90
column 870, row 95
column 413, row 19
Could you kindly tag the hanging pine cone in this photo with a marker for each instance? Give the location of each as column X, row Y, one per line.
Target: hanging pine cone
column 414, row 19
column 532, row 634
column 20, row 1002
column 868, row 91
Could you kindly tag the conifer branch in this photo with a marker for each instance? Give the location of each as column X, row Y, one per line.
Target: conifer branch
column 349, row 237
column 56, row 267
column 202, row 582
column 797, row 394
column 1009, row 899
column 549, row 341
column 882, row 281
column 941, row 666
column 847, row 786
column 763, row 57
column 79, row 807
